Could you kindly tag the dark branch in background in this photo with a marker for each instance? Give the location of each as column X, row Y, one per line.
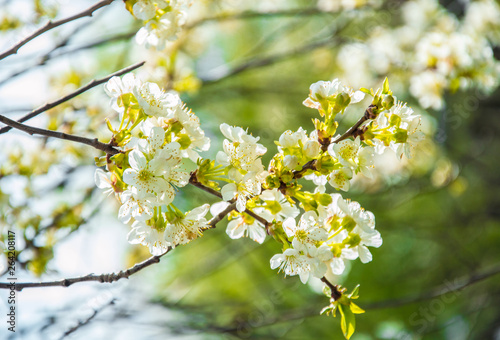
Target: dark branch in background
column 81, row 90
column 105, row 278
column 86, row 321
column 52, row 24
column 259, row 15
column 305, row 312
column 255, row 63
column 51, row 55
column 458, row 285
column 107, row 148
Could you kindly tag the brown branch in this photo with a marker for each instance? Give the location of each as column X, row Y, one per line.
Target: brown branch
column 52, row 24
column 335, row 293
column 104, row 278
column 81, row 90
column 107, row 148
column 355, row 130
column 194, row 181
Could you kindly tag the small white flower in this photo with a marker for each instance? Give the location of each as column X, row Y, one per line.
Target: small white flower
column 146, row 176
column 158, row 32
column 340, row 179
column 246, row 226
column 149, row 236
column 307, row 233
column 291, row 262
column 154, row 101
column 132, row 207
column 322, row 90
column 103, row 181
column 278, row 206
column 146, row 9
column 187, row 228
column 241, row 150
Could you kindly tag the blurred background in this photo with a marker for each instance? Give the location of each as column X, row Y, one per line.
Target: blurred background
column 250, row 64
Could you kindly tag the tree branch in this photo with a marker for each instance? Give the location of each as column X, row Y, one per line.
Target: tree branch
column 81, row 323
column 81, row 90
column 458, row 285
column 107, row 148
column 52, row 24
column 194, row 181
column 106, row 278
column 311, row 11
column 255, row 63
column 355, row 130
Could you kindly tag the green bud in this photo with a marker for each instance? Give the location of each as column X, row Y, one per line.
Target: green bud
column 388, row 101
column 401, row 136
column 325, row 199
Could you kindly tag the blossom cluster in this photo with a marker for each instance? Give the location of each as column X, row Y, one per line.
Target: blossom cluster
column 146, row 176
column 321, row 243
column 163, row 20
column 436, row 52
column 318, row 231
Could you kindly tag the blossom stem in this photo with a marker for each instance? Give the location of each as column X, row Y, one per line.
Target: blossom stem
column 355, row 130
column 335, row 293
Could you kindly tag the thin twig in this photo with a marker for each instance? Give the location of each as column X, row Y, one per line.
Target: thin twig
column 355, row 129
column 311, row 11
column 52, row 24
column 194, row 181
column 107, row 148
column 255, row 63
column 80, row 323
column 457, row 285
column 103, row 278
column 81, row 90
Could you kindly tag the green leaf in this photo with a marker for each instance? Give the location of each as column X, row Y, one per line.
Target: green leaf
column 348, row 322
column 385, row 88
column 355, row 293
column 356, row 309
column 365, row 90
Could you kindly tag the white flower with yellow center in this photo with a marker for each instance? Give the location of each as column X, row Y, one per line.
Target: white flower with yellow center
column 146, row 9
column 307, row 233
column 341, row 179
column 247, row 226
column 154, row 101
column 292, row 262
column 150, row 236
column 277, row 205
column 323, row 90
column 186, row 228
column 241, row 150
column 146, row 176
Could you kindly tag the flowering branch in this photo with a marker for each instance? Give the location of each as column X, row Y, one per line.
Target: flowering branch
column 52, row 24
column 107, row 148
column 81, row 90
column 111, row 277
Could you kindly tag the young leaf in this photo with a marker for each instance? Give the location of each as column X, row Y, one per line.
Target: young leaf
column 347, row 323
